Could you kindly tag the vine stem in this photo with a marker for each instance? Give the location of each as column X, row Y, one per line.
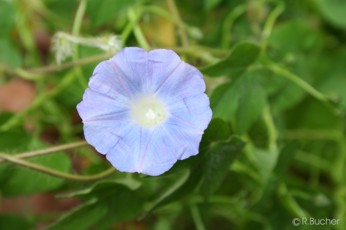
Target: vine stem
column 303, row 85
column 133, row 17
column 77, row 25
column 196, row 216
column 228, row 23
column 56, row 173
column 17, row 159
column 272, row 133
column 31, row 74
column 268, row 27
column 174, row 10
column 49, row 150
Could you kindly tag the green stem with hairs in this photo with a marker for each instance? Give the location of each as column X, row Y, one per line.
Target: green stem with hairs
column 57, row 173
column 268, row 26
column 174, row 11
column 38, row 72
column 228, row 23
column 303, row 85
column 77, row 24
column 45, row 151
column 196, row 216
column 133, row 17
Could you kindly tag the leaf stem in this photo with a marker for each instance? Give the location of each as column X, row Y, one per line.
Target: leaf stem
column 57, row 173
column 77, row 24
column 49, row 150
column 304, row 85
column 137, row 30
column 228, row 23
column 196, row 216
column 31, row 74
column 174, row 11
column 268, row 27
column 272, row 133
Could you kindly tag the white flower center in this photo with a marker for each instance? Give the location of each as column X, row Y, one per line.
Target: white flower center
column 148, row 111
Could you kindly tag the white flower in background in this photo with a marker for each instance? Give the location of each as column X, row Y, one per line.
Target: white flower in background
column 62, row 44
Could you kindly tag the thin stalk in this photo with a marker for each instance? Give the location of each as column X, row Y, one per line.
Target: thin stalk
column 303, row 85
column 49, row 150
column 174, row 11
column 31, row 74
column 77, row 25
column 137, row 30
column 228, row 23
column 57, row 173
column 269, row 25
column 272, row 133
column 196, row 216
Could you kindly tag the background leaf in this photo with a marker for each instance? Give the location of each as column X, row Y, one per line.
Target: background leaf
column 242, row 56
column 17, row 183
column 251, row 103
column 217, row 162
column 107, row 10
column 107, row 204
column 218, row 130
column 333, row 11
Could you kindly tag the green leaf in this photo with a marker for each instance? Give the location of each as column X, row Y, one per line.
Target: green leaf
column 100, row 187
column 333, row 11
column 334, row 84
column 8, row 18
column 295, row 36
column 26, row 181
column 265, row 161
column 286, row 157
column 217, row 163
column 9, row 55
column 224, row 101
column 83, row 217
column 101, row 12
column 14, row 222
column 210, row 4
column 183, row 179
column 14, row 140
column 64, row 10
column 241, row 57
column 218, row 130
column 278, row 172
column 251, row 103
column 107, row 203
column 17, row 180
column 179, row 179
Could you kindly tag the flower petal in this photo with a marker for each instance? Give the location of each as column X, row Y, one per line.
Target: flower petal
column 130, row 64
column 96, row 106
column 150, row 151
column 103, row 138
column 127, row 154
column 192, row 112
column 162, row 64
column 107, row 81
column 184, row 81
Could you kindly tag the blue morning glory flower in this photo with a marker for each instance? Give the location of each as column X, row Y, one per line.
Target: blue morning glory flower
column 145, row 110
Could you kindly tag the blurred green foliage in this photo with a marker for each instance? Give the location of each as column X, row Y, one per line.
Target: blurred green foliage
column 274, row 151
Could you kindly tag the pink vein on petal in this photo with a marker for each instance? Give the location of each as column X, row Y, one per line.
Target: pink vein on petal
column 104, row 119
column 118, row 74
column 184, row 122
column 169, row 75
column 145, row 149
